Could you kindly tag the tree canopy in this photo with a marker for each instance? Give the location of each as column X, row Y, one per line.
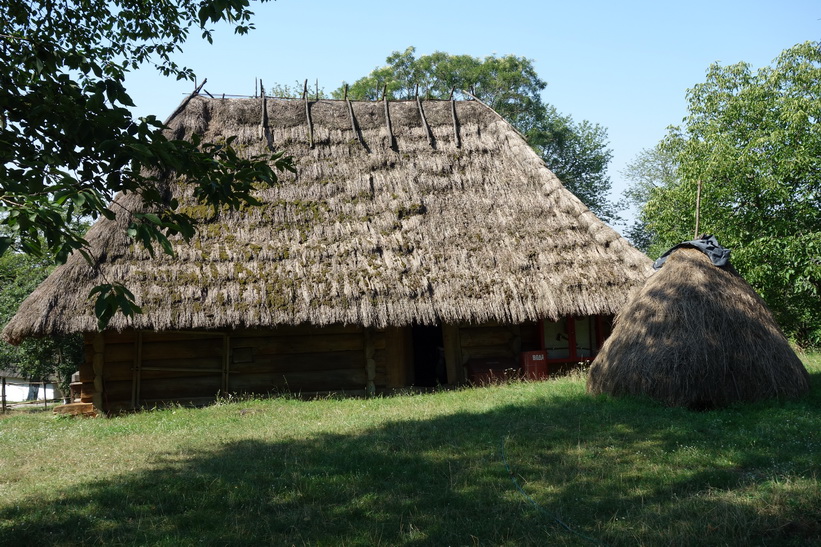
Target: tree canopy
column 752, row 140
column 69, row 143
column 576, row 152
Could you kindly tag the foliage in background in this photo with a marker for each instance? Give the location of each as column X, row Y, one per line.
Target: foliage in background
column 296, row 91
column 36, row 358
column 650, row 170
column 576, row 152
column 68, row 142
column 753, row 139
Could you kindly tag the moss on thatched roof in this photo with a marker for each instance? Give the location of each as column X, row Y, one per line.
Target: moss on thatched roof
column 459, row 221
column 698, row 336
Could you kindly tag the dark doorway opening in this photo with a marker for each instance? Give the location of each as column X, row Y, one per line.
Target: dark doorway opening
column 428, row 356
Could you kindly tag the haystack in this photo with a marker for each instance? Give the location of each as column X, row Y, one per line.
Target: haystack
column 697, row 335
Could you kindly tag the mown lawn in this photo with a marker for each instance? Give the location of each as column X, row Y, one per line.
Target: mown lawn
column 521, row 464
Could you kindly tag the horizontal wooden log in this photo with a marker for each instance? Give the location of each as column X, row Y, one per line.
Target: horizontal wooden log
column 116, row 391
column 198, row 363
column 176, row 375
column 179, row 336
column 184, row 401
column 188, row 386
column 118, row 370
column 86, row 369
column 203, row 347
column 489, row 336
column 297, row 381
column 76, row 409
column 114, row 337
column 302, row 361
column 379, row 340
column 487, row 353
column 87, row 392
column 296, row 330
column 119, row 352
column 118, row 407
column 311, row 344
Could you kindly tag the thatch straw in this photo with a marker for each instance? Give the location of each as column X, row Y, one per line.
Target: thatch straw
column 363, row 233
column 697, row 336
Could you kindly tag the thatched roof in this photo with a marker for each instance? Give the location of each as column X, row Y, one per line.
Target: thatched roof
column 698, row 336
column 461, row 223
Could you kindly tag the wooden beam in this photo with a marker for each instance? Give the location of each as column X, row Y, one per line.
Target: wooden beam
column 308, row 115
column 457, row 140
column 226, row 359
column 370, row 362
column 428, row 132
column 453, row 354
column 97, row 364
column 397, row 344
column 137, row 373
column 391, row 138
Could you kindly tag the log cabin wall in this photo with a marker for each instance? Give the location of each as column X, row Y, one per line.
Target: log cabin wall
column 135, row 369
column 142, row 369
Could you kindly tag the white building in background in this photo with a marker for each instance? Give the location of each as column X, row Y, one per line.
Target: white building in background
column 18, row 389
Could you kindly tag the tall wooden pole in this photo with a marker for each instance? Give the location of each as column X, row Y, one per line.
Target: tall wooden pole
column 698, row 208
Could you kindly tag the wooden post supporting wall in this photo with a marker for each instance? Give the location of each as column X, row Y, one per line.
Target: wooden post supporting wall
column 453, row 354
column 226, row 360
column 136, row 376
column 516, row 341
column 97, row 363
column 397, row 357
column 370, row 362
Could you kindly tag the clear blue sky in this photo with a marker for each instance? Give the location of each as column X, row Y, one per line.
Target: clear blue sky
column 624, row 65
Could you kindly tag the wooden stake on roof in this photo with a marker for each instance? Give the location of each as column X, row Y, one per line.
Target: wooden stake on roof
column 308, row 114
column 455, row 120
column 264, row 122
column 265, row 128
column 354, row 125
column 424, row 120
column 187, row 100
column 481, row 102
column 388, row 119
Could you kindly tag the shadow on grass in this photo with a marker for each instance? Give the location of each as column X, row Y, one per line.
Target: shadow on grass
column 620, row 472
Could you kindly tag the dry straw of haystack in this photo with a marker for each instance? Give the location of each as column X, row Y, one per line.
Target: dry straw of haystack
column 698, row 336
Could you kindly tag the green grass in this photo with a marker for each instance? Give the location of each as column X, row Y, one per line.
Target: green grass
column 490, row 466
